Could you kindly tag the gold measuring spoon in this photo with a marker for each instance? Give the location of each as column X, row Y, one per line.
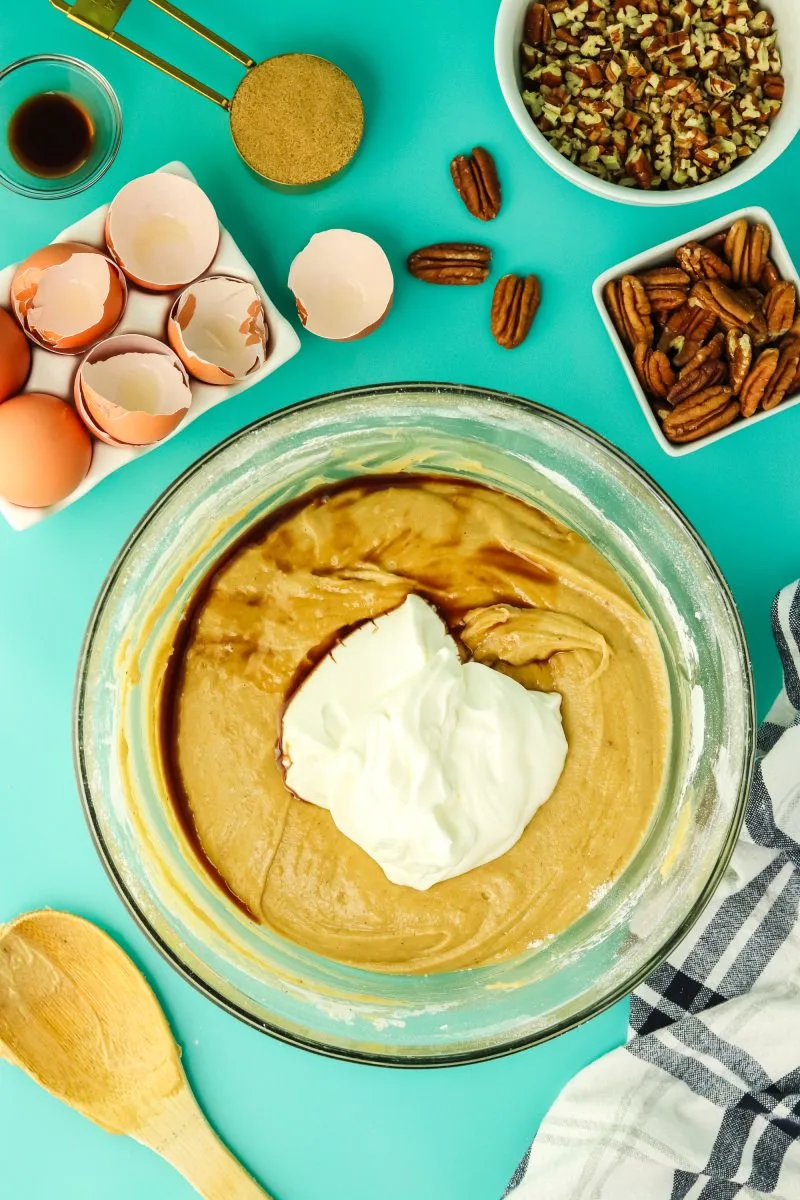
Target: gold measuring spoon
column 296, row 119
column 78, row 1016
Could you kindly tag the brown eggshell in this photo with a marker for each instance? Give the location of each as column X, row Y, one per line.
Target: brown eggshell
column 217, row 327
column 129, row 425
column 45, row 451
column 163, row 231
column 45, row 294
column 343, row 285
column 89, row 422
column 15, row 356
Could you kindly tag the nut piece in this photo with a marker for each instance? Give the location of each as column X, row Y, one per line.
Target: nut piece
column 538, row 25
column 691, row 382
column 757, row 381
column 702, row 263
column 780, row 305
column 654, row 370
column 460, row 263
column 476, row 181
column 739, row 351
column 514, row 305
column 706, row 354
column 701, row 414
column 746, row 249
column 784, row 376
column 729, row 305
column 769, row 276
column 636, row 310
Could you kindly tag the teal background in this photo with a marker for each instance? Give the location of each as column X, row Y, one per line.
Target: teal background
column 308, row 1127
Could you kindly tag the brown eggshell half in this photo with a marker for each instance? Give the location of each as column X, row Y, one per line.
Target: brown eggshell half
column 343, row 285
column 45, row 451
column 163, row 231
column 217, row 328
column 68, row 296
column 126, row 424
column 15, row 356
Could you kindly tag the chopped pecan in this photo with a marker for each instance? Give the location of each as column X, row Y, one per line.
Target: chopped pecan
column 476, row 181
column 783, row 378
column 461, row 263
column 702, row 263
column 746, row 249
column 729, row 305
column 700, row 415
column 757, row 381
column 739, row 351
column 514, row 305
column 780, row 305
column 538, row 25
column 691, row 382
column 654, row 370
column 773, row 87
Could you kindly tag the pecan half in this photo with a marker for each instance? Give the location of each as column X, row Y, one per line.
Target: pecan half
column 514, row 305
column 476, row 181
column 636, row 309
column 757, row 381
column 461, row 263
column 702, row 263
column 691, row 382
column 700, row 415
column 769, row 276
column 654, row 370
column 780, row 305
column 746, row 249
column 729, row 305
column 664, row 277
column 784, row 376
column 739, row 351
column 705, row 354
column 613, row 302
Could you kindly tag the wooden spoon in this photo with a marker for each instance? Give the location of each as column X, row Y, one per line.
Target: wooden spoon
column 79, row 1017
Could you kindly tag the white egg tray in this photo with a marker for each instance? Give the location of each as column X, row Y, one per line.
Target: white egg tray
column 146, row 312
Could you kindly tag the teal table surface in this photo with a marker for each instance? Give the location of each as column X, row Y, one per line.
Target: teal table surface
column 309, row 1127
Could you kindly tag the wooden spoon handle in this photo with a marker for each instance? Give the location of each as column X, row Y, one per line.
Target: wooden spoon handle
column 183, row 1137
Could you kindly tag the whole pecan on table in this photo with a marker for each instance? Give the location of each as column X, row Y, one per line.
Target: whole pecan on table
column 713, row 334
column 477, row 183
column 455, row 263
column 514, row 305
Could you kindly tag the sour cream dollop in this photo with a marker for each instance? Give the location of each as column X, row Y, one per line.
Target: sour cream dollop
column 431, row 765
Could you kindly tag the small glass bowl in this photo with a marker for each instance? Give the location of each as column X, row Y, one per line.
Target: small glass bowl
column 57, row 73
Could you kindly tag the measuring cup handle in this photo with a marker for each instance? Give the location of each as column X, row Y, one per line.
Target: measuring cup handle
column 101, row 17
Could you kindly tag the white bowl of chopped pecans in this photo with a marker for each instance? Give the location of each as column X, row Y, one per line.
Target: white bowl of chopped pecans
column 707, row 327
column 652, row 102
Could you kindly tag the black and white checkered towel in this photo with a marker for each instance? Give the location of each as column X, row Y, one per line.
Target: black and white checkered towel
column 704, row 1101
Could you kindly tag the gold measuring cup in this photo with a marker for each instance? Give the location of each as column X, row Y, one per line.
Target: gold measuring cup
column 296, row 119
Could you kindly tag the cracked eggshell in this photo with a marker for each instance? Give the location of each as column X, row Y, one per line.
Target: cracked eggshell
column 45, row 451
column 163, row 231
column 133, row 389
column 15, row 356
column 68, row 296
column 343, row 285
column 218, row 329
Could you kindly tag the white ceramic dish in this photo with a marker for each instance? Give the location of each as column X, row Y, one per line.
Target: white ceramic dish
column 661, row 255
column 146, row 313
column 507, row 38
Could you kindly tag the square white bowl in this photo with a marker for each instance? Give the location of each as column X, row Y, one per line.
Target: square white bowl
column 661, row 256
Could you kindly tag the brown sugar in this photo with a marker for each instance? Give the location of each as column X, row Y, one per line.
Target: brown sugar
column 297, row 119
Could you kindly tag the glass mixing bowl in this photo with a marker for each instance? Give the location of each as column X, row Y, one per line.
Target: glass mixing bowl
column 460, row 1016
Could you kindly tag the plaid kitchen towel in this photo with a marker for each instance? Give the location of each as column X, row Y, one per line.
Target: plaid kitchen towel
column 704, row 1101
